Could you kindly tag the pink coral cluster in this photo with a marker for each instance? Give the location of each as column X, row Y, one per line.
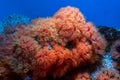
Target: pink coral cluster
column 28, row 46
column 6, row 46
column 55, row 46
column 116, row 54
column 106, row 74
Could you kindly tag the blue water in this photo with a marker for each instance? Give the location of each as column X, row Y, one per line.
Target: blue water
column 100, row 12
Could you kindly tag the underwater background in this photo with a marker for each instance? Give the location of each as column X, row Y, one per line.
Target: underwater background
column 100, row 12
column 59, row 40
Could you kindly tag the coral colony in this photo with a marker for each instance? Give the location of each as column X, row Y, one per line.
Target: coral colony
column 61, row 47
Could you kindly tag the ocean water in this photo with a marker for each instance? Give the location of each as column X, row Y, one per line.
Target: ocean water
column 19, row 16
column 104, row 12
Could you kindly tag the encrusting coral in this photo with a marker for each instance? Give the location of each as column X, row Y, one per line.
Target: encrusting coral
column 55, row 46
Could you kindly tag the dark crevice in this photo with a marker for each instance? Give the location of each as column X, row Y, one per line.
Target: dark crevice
column 70, row 45
column 117, row 47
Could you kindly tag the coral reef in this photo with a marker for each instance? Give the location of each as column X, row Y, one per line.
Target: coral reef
column 106, row 74
column 112, row 58
column 110, row 34
column 52, row 47
column 116, row 54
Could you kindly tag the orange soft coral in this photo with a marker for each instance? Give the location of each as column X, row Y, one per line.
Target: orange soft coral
column 44, row 30
column 55, row 46
column 55, row 62
column 82, row 52
column 71, row 24
column 94, row 38
column 58, row 61
column 80, row 42
column 28, row 47
column 68, row 20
